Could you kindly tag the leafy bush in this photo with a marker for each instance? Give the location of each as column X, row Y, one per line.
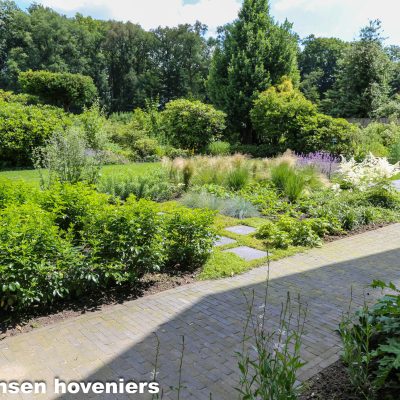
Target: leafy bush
column 37, row 265
column 23, row 128
column 189, row 238
column 384, row 196
column 254, row 150
column 376, row 138
column 394, row 153
column 284, row 119
column 15, row 192
column 125, row 242
column 265, row 197
column 71, row 205
column 371, row 345
column 68, row 239
column 59, row 88
column 192, row 124
column 219, row 148
column 67, row 158
column 94, row 127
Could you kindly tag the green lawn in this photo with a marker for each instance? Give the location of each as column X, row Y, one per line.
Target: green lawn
column 30, row 175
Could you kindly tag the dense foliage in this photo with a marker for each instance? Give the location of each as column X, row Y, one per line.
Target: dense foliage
column 24, row 127
column 127, row 63
column 284, row 119
column 61, row 89
column 68, row 239
column 192, row 124
column 372, row 345
column 252, row 53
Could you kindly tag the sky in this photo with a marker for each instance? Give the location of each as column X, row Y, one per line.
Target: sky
column 330, row 18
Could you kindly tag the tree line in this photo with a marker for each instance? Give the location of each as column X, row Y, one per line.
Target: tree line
column 129, row 65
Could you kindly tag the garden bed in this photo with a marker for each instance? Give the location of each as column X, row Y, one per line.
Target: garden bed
column 148, row 285
column 332, row 383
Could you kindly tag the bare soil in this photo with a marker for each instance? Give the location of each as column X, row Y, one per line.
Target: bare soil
column 332, row 383
column 149, row 284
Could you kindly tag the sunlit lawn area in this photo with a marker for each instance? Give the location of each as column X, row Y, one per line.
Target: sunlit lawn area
column 31, row 175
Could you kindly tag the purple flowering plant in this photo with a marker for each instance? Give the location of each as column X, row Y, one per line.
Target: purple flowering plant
column 324, row 162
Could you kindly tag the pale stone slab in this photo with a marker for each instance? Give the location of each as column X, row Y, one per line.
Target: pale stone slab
column 396, row 184
column 223, row 240
column 248, row 253
column 241, row 229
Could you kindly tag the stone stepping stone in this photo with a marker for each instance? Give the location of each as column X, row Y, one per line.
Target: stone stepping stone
column 248, row 253
column 241, row 229
column 396, row 184
column 223, row 240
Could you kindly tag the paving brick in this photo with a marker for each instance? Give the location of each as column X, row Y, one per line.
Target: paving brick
column 120, row 342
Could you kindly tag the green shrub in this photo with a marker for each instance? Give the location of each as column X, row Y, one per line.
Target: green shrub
column 59, row 88
column 189, row 238
column 219, row 148
column 284, row 119
column 68, row 239
column 23, row 128
column 145, row 149
column 125, row 241
column 383, row 196
column 254, row 150
column 192, row 124
column 371, row 345
column 265, row 197
column 394, row 153
column 18, row 192
column 37, row 265
column 377, row 138
column 66, row 157
column 94, row 127
column 71, row 205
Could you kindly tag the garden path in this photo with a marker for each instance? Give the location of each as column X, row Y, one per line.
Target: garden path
column 119, row 342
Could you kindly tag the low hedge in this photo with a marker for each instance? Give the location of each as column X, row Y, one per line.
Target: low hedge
column 56, row 244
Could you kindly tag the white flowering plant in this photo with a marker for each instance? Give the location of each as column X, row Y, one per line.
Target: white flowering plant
column 362, row 175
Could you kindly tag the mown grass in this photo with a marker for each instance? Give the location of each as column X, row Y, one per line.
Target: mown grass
column 31, row 175
column 222, row 264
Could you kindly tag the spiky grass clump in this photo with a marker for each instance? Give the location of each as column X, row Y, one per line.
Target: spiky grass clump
column 235, row 207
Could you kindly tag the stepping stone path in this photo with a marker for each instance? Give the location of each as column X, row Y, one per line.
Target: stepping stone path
column 247, row 253
column 244, row 252
column 223, row 240
column 241, row 229
column 396, row 184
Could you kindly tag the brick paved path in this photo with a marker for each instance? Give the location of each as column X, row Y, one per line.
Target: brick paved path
column 118, row 342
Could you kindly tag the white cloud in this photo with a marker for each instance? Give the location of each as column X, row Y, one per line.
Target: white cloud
column 341, row 18
column 152, row 13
